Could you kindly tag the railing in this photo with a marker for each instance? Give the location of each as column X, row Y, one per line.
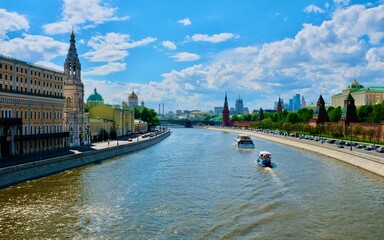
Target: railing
column 32, row 94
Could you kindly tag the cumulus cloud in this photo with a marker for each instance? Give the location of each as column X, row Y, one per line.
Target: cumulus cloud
column 320, row 59
column 185, row 57
column 106, row 69
column 34, row 48
column 216, row 38
column 11, row 21
column 82, row 14
column 169, row 45
column 112, row 46
column 185, row 21
column 313, row 9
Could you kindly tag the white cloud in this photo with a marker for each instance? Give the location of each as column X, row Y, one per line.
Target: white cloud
column 185, row 21
column 112, row 47
column 320, row 59
column 341, row 2
column 106, row 69
column 168, row 44
column 313, row 9
column 185, row 57
column 11, row 21
column 82, row 14
column 216, row 38
column 33, row 48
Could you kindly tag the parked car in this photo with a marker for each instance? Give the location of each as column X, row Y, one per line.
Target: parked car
column 380, row 150
column 370, row 147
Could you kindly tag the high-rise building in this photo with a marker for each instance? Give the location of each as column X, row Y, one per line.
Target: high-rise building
column 239, row 106
column 296, row 102
column 218, row 110
column 76, row 122
column 303, row 102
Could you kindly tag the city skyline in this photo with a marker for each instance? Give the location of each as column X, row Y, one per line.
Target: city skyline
column 187, row 57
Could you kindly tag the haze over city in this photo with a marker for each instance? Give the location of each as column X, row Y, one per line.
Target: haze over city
column 187, row 54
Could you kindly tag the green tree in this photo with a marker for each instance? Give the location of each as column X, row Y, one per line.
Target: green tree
column 248, row 117
column 292, row 117
column 305, row 114
column 334, row 113
column 364, row 113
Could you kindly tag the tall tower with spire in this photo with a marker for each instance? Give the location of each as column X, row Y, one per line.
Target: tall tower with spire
column 225, row 120
column 279, row 107
column 75, row 121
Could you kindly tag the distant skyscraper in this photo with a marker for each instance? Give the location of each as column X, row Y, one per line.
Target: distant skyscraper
column 296, row 102
column 239, row 106
column 303, row 102
column 218, row 110
column 291, row 105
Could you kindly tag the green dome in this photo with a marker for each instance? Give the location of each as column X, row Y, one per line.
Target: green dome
column 355, row 86
column 95, row 97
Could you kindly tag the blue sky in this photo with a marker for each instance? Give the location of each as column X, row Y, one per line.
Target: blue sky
column 187, row 54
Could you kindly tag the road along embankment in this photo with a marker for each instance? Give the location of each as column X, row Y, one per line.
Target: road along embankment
column 33, row 170
column 368, row 162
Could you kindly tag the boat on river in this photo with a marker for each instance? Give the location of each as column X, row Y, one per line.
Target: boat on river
column 244, row 141
column 264, row 159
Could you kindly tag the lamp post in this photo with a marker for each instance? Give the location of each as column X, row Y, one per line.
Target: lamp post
column 351, row 137
column 117, row 137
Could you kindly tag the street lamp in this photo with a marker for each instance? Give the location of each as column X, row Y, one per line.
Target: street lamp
column 351, row 137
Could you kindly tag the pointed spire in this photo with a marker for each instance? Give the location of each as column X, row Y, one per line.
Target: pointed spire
column 225, row 100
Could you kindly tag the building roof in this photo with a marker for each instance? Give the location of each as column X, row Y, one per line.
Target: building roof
column 355, row 86
column 133, row 95
column 95, row 96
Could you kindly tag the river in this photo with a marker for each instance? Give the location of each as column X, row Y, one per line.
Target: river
column 196, row 185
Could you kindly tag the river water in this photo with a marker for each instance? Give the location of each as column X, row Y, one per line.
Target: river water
column 196, row 185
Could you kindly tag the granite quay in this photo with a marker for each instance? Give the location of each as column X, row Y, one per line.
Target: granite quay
column 369, row 162
column 11, row 174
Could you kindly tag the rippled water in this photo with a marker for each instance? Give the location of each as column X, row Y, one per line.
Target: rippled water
column 196, row 185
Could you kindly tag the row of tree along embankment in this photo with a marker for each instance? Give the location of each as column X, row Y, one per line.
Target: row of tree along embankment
column 365, row 161
column 33, row 170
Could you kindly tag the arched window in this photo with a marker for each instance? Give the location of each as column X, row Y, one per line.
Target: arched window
column 69, row 102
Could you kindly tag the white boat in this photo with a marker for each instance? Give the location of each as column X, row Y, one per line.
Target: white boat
column 264, row 159
column 244, row 141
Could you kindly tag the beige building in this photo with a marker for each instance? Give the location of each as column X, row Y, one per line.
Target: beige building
column 31, row 105
column 121, row 117
column 361, row 94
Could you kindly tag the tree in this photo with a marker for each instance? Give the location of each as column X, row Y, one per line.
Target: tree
column 292, row 117
column 305, row 114
column 371, row 134
column 357, row 130
column 334, row 113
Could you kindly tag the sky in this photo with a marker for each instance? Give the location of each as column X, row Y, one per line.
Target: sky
column 188, row 54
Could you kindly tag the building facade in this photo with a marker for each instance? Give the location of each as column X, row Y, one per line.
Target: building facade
column 76, row 122
column 32, row 108
column 239, row 106
column 362, row 95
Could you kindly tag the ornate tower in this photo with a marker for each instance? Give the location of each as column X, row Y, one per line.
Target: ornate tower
column 225, row 121
column 261, row 114
column 320, row 115
column 349, row 110
column 74, row 97
column 279, row 107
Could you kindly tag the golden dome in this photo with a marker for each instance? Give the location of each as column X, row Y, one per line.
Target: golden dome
column 133, row 95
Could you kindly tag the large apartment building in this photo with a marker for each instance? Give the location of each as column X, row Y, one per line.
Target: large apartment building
column 32, row 108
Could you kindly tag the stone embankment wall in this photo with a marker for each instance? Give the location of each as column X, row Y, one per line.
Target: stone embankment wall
column 368, row 162
column 28, row 171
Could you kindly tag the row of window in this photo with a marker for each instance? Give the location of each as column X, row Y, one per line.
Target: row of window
column 25, row 90
column 33, row 72
column 38, row 83
column 7, row 113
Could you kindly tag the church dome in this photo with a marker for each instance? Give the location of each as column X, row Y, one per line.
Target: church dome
column 95, row 96
column 133, row 95
column 355, row 86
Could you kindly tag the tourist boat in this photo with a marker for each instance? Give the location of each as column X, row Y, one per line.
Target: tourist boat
column 244, row 141
column 264, row 159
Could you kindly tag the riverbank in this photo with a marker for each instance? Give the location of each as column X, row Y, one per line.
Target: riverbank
column 98, row 152
column 374, row 164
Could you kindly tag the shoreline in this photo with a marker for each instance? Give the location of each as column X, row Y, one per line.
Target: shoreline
column 364, row 161
column 15, row 174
